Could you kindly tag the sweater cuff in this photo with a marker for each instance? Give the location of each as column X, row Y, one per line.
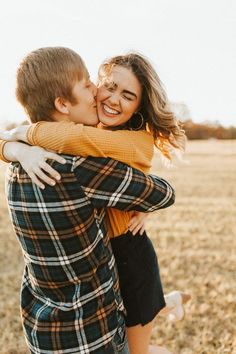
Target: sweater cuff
column 2, row 157
column 31, row 133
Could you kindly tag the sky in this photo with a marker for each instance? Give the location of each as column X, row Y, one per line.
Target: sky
column 191, row 43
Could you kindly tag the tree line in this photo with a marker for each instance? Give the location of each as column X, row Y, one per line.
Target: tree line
column 205, row 130
column 208, row 130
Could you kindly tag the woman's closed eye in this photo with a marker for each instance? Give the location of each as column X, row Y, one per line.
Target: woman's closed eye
column 129, row 98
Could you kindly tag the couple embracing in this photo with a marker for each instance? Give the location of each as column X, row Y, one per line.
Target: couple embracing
column 91, row 281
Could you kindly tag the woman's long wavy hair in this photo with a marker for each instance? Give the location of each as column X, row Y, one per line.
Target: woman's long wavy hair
column 155, row 107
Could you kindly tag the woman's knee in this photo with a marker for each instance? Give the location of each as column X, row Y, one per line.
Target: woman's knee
column 158, row 350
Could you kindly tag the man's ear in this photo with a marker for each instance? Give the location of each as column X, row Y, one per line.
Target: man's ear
column 61, row 105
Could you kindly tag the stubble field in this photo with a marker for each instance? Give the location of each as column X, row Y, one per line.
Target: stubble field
column 196, row 244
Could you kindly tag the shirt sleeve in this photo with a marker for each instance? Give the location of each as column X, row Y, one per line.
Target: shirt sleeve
column 110, row 183
column 134, row 148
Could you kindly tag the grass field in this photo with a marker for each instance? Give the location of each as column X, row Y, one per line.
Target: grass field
column 196, row 244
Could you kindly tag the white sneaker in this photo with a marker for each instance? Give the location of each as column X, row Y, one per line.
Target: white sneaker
column 174, row 301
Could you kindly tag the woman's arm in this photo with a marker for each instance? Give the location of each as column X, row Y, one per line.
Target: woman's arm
column 2, row 146
column 134, row 148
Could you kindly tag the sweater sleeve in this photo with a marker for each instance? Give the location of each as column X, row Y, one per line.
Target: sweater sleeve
column 2, row 157
column 134, row 148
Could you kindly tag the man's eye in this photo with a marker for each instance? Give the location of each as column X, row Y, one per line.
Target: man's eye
column 88, row 84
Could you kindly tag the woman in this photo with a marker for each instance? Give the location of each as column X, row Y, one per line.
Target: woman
column 130, row 97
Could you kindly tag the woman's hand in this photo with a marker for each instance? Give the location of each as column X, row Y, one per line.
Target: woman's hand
column 138, row 222
column 33, row 160
column 16, row 134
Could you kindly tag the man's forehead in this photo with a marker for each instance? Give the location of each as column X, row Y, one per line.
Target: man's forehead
column 83, row 75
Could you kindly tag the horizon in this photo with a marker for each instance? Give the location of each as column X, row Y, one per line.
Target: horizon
column 210, row 123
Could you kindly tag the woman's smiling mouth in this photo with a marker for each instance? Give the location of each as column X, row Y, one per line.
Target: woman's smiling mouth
column 109, row 111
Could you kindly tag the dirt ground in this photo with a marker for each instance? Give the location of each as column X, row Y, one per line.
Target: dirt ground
column 196, row 244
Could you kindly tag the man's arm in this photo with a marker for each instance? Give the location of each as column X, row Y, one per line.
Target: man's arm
column 110, row 183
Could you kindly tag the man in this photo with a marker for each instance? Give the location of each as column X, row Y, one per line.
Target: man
column 70, row 299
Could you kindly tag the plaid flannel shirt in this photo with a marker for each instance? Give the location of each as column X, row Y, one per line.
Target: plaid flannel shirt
column 70, row 299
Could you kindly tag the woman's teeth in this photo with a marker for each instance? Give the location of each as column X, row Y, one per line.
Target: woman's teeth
column 109, row 110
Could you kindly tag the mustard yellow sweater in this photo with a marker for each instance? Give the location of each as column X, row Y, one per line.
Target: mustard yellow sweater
column 134, row 148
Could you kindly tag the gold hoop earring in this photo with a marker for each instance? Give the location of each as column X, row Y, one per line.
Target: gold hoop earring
column 142, row 121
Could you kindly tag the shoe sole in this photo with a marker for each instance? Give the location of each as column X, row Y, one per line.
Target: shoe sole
column 185, row 297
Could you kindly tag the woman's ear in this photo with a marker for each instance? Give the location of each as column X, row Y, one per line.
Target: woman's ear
column 61, row 105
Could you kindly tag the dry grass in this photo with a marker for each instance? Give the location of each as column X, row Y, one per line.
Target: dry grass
column 196, row 244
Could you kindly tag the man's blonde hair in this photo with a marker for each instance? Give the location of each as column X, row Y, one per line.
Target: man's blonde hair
column 44, row 75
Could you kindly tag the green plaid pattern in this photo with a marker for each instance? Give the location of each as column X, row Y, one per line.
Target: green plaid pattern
column 70, row 299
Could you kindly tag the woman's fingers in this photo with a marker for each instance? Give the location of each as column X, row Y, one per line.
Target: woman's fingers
column 137, row 228
column 133, row 222
column 7, row 135
column 133, row 225
column 52, row 173
column 137, row 223
column 141, row 231
column 53, row 156
column 40, row 174
column 35, row 180
column 33, row 160
column 16, row 134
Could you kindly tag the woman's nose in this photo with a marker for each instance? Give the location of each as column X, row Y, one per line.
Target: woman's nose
column 113, row 99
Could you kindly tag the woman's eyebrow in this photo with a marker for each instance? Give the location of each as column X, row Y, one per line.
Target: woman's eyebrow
column 114, row 84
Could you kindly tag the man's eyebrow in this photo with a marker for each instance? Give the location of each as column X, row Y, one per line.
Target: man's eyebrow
column 130, row 93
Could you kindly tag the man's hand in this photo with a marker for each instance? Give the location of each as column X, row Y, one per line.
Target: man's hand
column 16, row 134
column 138, row 222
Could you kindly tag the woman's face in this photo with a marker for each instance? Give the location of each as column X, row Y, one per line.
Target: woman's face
column 118, row 97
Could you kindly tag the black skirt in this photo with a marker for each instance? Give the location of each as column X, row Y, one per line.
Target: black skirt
column 139, row 277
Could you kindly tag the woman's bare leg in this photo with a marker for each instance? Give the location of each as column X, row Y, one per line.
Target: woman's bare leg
column 139, row 339
column 157, row 350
